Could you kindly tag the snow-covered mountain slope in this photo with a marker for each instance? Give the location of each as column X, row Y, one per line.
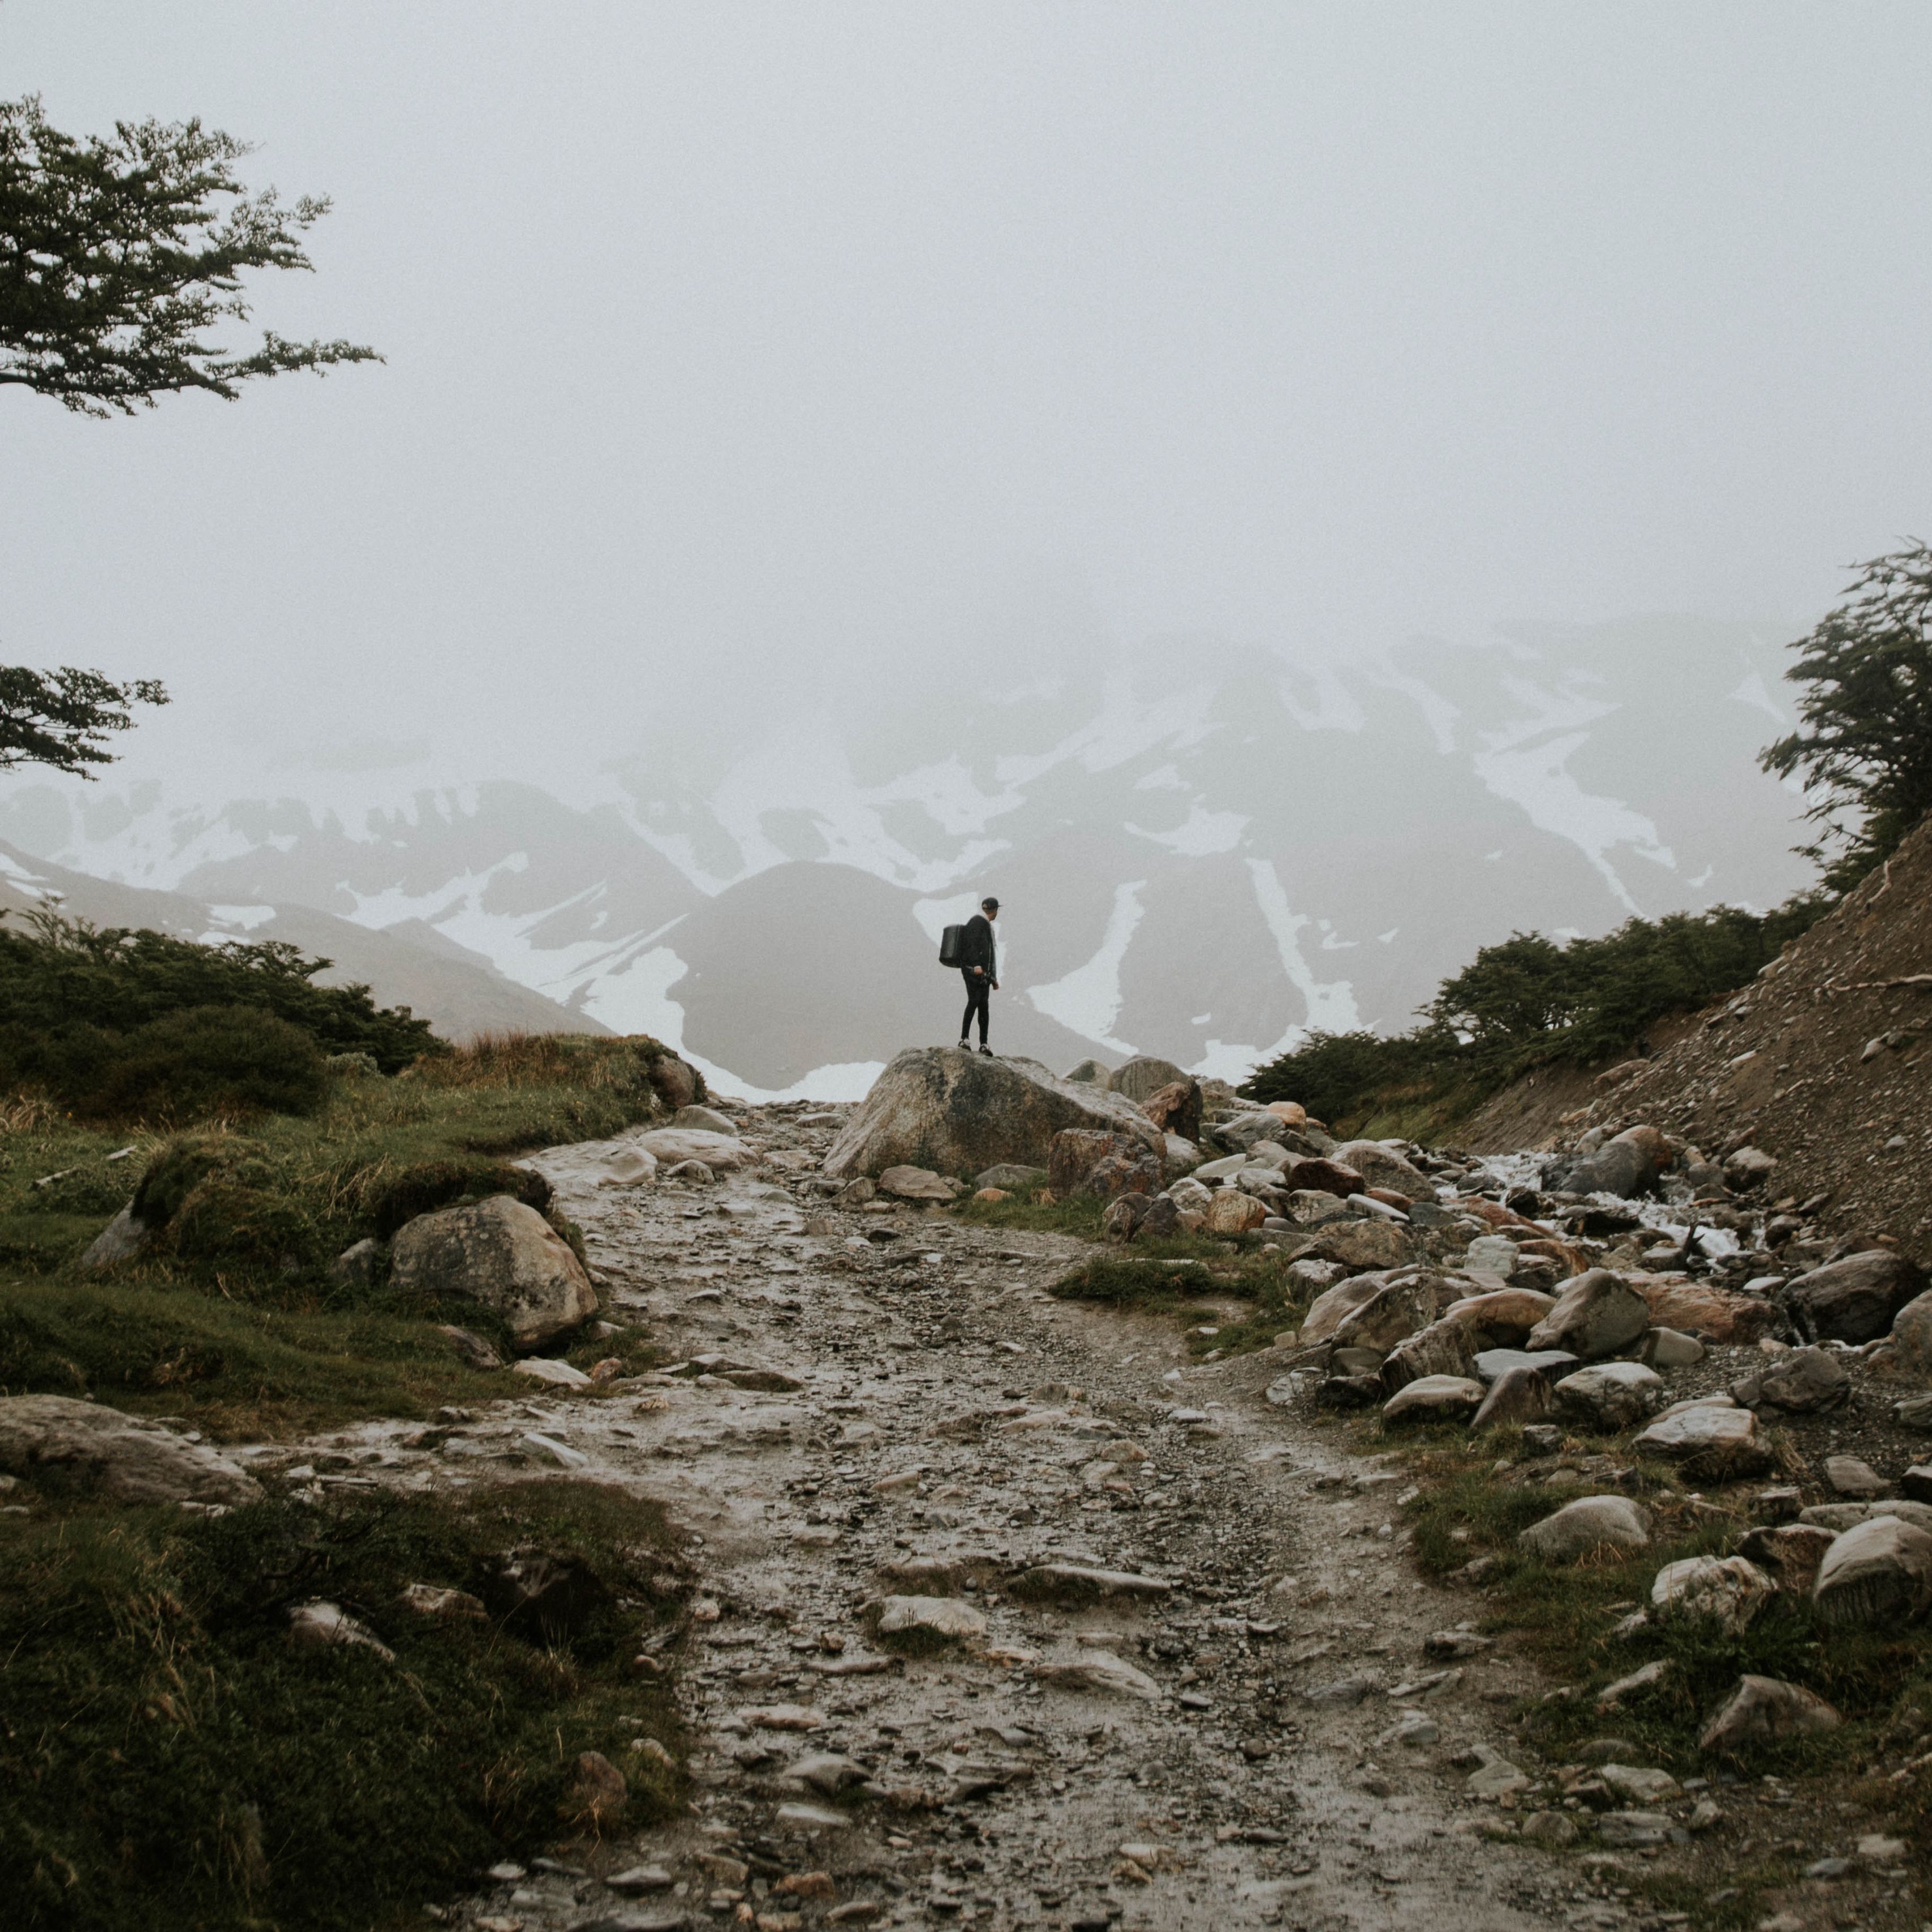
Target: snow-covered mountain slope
column 1203, row 852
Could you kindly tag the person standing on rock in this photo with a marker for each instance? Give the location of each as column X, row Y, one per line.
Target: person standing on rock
column 979, row 966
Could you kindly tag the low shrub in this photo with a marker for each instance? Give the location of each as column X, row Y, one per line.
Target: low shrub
column 171, row 1761
column 226, row 1222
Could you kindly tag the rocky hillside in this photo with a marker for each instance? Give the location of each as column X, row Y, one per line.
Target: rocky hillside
column 1821, row 1064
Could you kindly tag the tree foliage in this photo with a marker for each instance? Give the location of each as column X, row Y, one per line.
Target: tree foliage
column 1531, row 1001
column 62, row 719
column 114, row 1023
column 1863, row 745
column 118, row 253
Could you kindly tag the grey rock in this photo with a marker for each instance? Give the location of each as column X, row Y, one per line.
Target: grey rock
column 1855, row 1480
column 1588, row 1524
column 960, row 1113
column 87, row 1449
column 1788, row 1553
column 1763, row 1711
column 1446, row 1347
column 1641, row 1783
column 1445, row 1398
column 1492, row 1364
column 324, row 1626
column 1519, row 1395
column 1667, row 1348
column 1143, row 1075
column 1609, row 1396
column 1088, row 1073
column 1803, row 1380
column 472, row 1347
column 1853, row 1300
column 1879, row 1573
column 1838, row 1517
column 1012, row 1177
column 1542, row 1439
column 1595, row 1314
column 1391, row 1316
column 1381, row 1166
column 707, row 1120
column 1631, row 1831
column 671, row 1147
column 502, row 1255
column 1715, row 1443
column 1098, row 1670
column 121, row 1239
column 1626, row 1166
column 1728, row 1591
column 357, row 1264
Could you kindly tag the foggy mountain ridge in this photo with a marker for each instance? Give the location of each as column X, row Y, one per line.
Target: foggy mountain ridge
column 1203, row 851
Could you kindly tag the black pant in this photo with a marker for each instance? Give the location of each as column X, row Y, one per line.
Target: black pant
column 978, row 986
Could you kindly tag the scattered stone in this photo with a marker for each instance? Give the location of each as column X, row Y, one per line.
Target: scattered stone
column 1642, row 1681
column 1850, row 1477
column 1802, row 1380
column 640, row 1879
column 1589, row 1524
column 944, row 1617
column 1729, row 1590
column 918, row 1184
column 1669, row 1348
column 594, row 1793
column 548, row 1369
column 502, row 1254
column 1519, row 1395
column 1609, row 1396
column 1632, row 1831
column 1853, row 1300
column 470, row 1346
column 323, row 1626
column 1336, row 1303
column 121, row 1239
column 1074, row 1582
column 671, row 1147
column 85, row 1448
column 1552, row 1829
column 1878, row 1572
column 1233, row 1213
column 1098, row 1670
column 1596, row 1314
column 631, row 1166
column 430, row 1600
column 1709, row 1443
column 781, row 1717
column 1839, row 1517
column 1765, row 1711
column 1788, row 1553
column 1641, row 1784
column 707, row 1120
column 1542, row 1439
column 1448, row 1398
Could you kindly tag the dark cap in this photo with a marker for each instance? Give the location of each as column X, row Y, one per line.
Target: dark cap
column 989, row 905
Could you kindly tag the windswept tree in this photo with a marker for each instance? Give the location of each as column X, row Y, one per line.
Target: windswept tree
column 118, row 253
column 63, row 718
column 1864, row 745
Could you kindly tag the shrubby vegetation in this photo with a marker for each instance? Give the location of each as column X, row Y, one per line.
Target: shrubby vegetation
column 170, row 1761
column 1532, row 1001
column 115, row 1025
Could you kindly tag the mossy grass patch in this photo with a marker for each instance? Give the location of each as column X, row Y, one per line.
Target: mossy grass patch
column 1193, row 1277
column 170, row 1760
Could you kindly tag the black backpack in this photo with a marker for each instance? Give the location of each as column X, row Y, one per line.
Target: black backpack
column 951, row 945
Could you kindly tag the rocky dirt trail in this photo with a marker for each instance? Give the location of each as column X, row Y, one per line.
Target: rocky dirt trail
column 1193, row 1684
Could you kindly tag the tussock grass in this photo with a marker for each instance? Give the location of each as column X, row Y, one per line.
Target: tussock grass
column 1036, row 1211
column 1563, row 1615
column 1173, row 1277
column 169, row 1761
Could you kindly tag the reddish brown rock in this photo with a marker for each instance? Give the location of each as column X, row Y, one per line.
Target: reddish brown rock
column 1326, row 1177
column 1693, row 1307
column 1176, row 1109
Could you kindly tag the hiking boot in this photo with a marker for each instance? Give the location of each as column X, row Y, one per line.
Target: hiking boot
column 965, row 1046
column 988, row 1051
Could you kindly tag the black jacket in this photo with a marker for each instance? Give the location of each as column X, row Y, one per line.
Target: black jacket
column 977, row 946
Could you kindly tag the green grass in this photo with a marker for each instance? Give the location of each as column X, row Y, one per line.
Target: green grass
column 233, row 1316
column 1080, row 1217
column 168, row 1760
column 1562, row 1614
column 1174, row 1277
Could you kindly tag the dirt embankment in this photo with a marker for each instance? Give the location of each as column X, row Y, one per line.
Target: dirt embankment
column 1824, row 1061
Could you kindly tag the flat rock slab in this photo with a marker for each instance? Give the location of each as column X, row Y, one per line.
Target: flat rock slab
column 1715, row 1443
column 1098, row 1670
column 1453, row 1398
column 944, row 1617
column 1492, row 1364
column 87, row 1448
column 1073, row 1582
column 1766, row 1710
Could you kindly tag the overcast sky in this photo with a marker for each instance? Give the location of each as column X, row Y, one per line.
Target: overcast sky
column 785, row 338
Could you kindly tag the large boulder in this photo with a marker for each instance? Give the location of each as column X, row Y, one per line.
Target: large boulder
column 1694, row 1307
column 1765, row 1710
column 1609, row 1396
column 1854, row 1300
column 1505, row 1316
column 1589, row 1524
column 1143, row 1075
column 1908, row 1351
column 1626, row 1166
column 502, row 1255
column 85, row 1448
column 1309, row 1172
column 1801, row 1380
column 1392, row 1316
column 669, row 1145
column 1596, row 1314
column 959, row 1112
column 1383, row 1167
column 1878, row 1572
column 1709, row 1441
column 1332, row 1306
column 1083, row 1160
column 1435, row 1398
column 1362, row 1245
column 1445, row 1348
column 1231, row 1212
column 1176, row 1109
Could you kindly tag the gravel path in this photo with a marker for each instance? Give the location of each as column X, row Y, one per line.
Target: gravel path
column 947, row 1425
